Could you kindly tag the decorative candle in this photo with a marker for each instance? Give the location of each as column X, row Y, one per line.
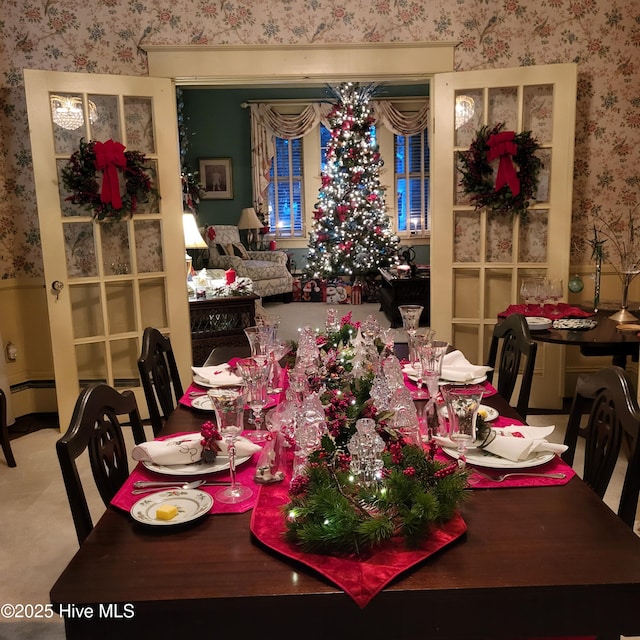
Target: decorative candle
column 230, row 276
column 272, row 245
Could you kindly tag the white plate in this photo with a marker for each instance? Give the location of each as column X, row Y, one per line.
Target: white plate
column 490, row 412
column 459, row 383
column 482, row 458
column 202, row 382
column 538, row 323
column 203, row 403
column 191, row 503
column 197, row 469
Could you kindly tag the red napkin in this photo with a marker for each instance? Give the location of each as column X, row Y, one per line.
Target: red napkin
column 124, row 499
column 360, row 578
column 550, row 311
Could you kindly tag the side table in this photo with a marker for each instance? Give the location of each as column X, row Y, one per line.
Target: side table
column 219, row 321
column 398, row 291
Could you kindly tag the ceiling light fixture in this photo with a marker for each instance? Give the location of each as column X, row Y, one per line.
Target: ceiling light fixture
column 465, row 108
column 66, row 112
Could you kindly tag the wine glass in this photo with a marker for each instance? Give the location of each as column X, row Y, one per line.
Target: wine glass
column 276, row 352
column 431, row 358
column 410, row 314
column 228, row 404
column 260, row 337
column 556, row 290
column 528, row 293
column 463, row 403
column 255, row 375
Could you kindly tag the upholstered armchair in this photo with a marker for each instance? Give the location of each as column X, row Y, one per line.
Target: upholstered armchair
column 267, row 269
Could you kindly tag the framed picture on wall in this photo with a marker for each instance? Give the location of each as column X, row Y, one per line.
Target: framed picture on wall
column 215, row 177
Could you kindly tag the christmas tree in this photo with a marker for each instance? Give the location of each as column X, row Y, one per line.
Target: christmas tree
column 351, row 233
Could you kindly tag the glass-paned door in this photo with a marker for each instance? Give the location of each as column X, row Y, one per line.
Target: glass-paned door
column 481, row 256
column 107, row 281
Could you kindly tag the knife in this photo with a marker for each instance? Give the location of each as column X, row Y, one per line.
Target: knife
column 142, row 484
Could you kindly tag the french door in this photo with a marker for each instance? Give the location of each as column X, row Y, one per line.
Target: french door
column 479, row 258
column 106, row 282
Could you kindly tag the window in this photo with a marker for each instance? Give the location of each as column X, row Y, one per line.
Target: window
column 412, row 182
column 286, row 189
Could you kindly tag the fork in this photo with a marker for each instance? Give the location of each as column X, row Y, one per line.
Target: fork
column 504, row 476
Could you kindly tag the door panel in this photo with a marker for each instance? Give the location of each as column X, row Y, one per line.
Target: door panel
column 481, row 257
column 118, row 277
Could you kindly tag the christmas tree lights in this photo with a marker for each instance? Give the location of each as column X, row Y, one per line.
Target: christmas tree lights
column 351, row 233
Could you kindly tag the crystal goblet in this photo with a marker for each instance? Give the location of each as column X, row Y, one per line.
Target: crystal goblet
column 228, row 405
column 255, row 375
column 463, row 403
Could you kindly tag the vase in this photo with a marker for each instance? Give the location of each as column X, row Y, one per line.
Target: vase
column 624, row 315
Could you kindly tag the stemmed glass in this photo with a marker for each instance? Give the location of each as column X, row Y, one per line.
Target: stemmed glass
column 528, row 293
column 431, row 358
column 228, row 404
column 276, row 352
column 255, row 375
column 462, row 408
column 261, row 338
column 410, row 314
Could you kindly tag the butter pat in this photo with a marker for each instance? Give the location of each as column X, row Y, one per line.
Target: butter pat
column 166, row 512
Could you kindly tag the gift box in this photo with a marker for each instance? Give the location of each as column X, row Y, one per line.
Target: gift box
column 338, row 292
column 313, row 290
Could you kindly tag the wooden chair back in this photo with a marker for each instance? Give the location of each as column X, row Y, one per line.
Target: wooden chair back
column 4, row 432
column 613, row 420
column 512, row 340
column 160, row 377
column 95, row 428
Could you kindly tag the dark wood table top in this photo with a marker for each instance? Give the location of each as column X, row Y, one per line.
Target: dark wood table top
column 536, row 561
column 603, row 340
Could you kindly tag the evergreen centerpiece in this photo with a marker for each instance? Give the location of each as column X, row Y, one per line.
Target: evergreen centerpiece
column 509, row 188
column 351, row 233
column 332, row 510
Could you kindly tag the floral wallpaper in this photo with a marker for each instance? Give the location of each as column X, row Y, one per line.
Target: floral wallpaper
column 601, row 36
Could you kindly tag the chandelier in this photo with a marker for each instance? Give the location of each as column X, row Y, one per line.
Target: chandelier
column 465, row 108
column 66, row 111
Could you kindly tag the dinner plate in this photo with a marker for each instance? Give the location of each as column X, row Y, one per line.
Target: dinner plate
column 192, row 504
column 482, row 458
column 411, row 374
column 490, row 412
column 203, row 403
column 194, row 469
column 538, row 323
column 201, row 382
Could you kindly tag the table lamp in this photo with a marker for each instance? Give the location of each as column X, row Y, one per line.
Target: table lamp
column 249, row 222
column 192, row 237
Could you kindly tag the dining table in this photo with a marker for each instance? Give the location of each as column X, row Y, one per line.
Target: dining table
column 533, row 561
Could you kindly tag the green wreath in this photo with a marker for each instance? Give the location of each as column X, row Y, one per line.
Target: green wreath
column 478, row 175
column 79, row 178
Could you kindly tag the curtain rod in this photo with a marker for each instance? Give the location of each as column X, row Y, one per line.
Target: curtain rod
column 295, row 103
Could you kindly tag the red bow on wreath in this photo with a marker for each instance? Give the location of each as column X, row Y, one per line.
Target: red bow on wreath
column 502, row 145
column 110, row 156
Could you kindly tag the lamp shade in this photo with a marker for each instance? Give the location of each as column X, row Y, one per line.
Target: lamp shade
column 192, row 237
column 249, row 219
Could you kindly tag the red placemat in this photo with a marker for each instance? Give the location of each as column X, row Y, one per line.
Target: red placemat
column 550, row 311
column 124, row 499
column 360, row 578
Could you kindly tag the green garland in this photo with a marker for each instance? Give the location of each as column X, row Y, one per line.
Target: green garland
column 478, row 177
column 79, row 178
column 328, row 511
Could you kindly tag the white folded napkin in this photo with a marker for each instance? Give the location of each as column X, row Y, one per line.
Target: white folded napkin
column 457, row 368
column 219, row 376
column 185, row 449
column 516, row 442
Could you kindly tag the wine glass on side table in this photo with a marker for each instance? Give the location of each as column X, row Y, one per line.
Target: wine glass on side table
column 228, row 404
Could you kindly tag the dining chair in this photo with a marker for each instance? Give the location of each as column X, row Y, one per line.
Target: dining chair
column 4, row 432
column 95, row 428
column 160, row 377
column 613, row 419
column 512, row 346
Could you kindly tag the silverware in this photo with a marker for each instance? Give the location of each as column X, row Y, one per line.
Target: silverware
column 147, row 487
column 504, row 476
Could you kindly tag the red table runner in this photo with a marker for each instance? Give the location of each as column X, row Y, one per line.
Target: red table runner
column 549, row 311
column 362, row 578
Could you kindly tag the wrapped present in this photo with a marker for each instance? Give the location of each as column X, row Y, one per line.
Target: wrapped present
column 356, row 293
column 297, row 290
column 313, row 290
column 338, row 292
